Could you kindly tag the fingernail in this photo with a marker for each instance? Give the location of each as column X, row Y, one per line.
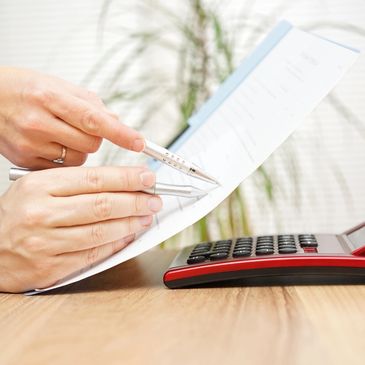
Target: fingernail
column 146, row 220
column 154, row 203
column 147, row 178
column 138, row 145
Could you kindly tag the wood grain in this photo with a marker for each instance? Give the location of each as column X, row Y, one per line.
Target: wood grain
column 127, row 316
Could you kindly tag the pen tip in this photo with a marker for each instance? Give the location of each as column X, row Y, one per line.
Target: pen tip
column 198, row 173
column 198, row 193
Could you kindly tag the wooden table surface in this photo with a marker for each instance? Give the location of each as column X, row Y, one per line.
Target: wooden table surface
column 127, row 316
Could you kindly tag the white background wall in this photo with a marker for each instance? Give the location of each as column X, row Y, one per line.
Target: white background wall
column 60, row 37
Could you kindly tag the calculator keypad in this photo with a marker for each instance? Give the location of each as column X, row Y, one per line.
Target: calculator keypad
column 252, row 246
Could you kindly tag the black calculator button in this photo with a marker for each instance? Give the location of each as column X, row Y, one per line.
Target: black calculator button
column 264, row 251
column 200, row 250
column 265, row 238
column 241, row 253
column 307, row 239
column 264, row 248
column 264, row 244
column 218, row 256
column 205, row 245
column 225, row 242
column 223, row 246
column 291, row 246
column 286, row 243
column 244, row 239
column 195, row 259
column 200, row 253
column 287, row 250
column 243, row 246
column 285, row 236
column 246, row 243
column 225, row 252
column 308, row 243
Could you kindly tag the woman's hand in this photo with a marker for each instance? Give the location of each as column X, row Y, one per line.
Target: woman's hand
column 58, row 221
column 40, row 114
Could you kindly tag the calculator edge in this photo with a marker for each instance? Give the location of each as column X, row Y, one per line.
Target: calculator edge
column 306, row 264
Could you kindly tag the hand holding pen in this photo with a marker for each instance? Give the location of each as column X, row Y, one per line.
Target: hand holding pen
column 163, row 155
column 57, row 221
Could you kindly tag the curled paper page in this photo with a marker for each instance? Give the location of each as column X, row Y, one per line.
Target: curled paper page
column 249, row 117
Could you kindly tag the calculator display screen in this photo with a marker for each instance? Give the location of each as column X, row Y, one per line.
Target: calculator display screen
column 357, row 237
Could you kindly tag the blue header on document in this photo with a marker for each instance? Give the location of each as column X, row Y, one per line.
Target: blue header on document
column 247, row 65
column 236, row 78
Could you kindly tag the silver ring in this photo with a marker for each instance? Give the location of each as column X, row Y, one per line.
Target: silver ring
column 61, row 160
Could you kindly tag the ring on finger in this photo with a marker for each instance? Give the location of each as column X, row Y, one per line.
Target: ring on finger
column 61, row 159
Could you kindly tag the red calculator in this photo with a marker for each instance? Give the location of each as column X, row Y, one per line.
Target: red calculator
column 284, row 259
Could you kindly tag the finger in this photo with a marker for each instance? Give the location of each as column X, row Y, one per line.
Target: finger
column 39, row 163
column 74, row 261
column 69, row 136
column 53, row 151
column 43, row 164
column 83, row 180
column 78, row 238
column 93, row 120
column 81, row 93
column 91, row 208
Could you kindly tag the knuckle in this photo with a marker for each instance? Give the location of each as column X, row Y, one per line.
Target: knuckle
column 77, row 160
column 32, row 123
column 127, row 178
column 43, row 269
column 94, row 96
column 34, row 244
column 115, row 247
column 39, row 94
column 28, row 184
column 94, row 145
column 92, row 255
column 94, row 179
column 97, row 233
column 21, row 160
column 81, row 159
column 34, row 216
column 130, row 225
column 139, row 203
column 103, row 205
column 24, row 148
column 90, row 121
column 118, row 245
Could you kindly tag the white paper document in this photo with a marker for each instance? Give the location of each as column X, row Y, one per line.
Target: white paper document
column 251, row 115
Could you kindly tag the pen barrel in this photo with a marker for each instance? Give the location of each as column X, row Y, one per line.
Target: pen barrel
column 168, row 189
column 187, row 191
column 171, row 159
column 16, row 172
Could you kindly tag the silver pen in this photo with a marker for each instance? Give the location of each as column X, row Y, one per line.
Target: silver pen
column 177, row 162
column 186, row 191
